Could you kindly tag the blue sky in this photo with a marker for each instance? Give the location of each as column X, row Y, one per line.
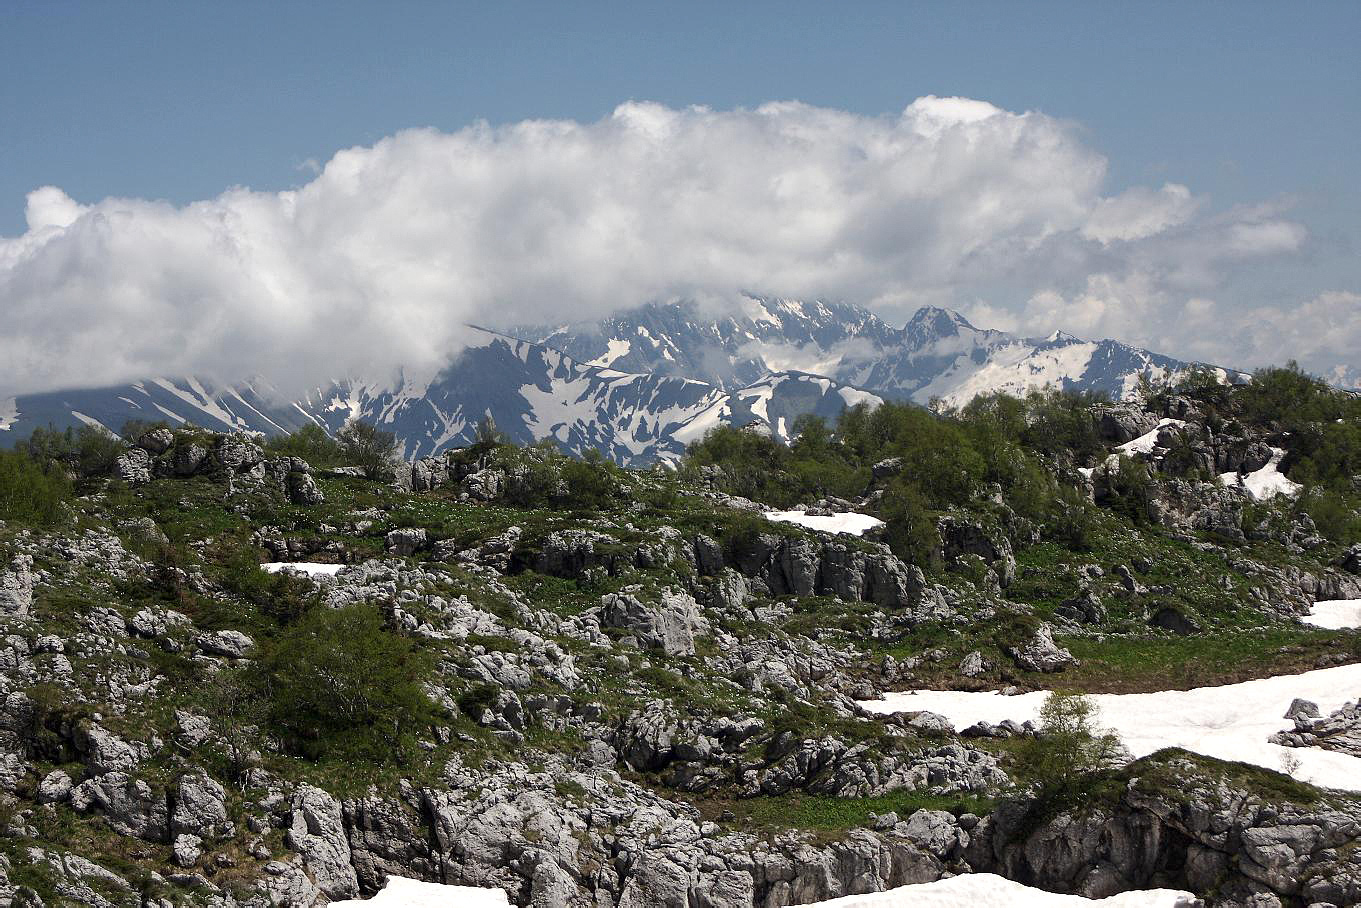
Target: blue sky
column 1247, row 104
column 179, row 100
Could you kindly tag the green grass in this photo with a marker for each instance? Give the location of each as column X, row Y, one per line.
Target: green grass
column 1156, row 771
column 1123, row 665
column 831, row 815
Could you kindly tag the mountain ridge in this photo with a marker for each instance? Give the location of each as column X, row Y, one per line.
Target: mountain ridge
column 640, row 385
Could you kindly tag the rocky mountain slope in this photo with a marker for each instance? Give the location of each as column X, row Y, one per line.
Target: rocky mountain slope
column 638, row 387
column 531, row 391
column 936, row 355
column 588, row 685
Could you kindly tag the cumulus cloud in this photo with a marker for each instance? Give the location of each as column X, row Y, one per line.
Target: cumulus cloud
column 384, row 256
column 1139, row 212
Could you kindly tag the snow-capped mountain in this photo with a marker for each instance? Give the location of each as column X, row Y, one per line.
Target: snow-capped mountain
column 937, row 354
column 640, row 386
column 533, row 392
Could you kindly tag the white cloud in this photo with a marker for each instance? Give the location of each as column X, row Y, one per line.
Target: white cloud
column 389, row 250
column 1139, row 212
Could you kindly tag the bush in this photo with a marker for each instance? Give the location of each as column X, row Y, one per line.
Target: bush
column 284, row 597
column 1072, row 520
column 312, row 444
column 754, row 465
column 1334, row 513
column 86, row 451
column 591, row 484
column 338, row 684
column 365, row 445
column 1070, row 759
column 910, row 527
column 32, row 492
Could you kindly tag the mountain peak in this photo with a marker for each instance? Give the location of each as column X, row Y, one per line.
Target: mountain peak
column 930, row 322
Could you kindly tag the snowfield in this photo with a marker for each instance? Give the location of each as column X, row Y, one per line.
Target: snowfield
column 1231, row 722
column 974, row 890
column 1267, row 482
column 400, row 892
column 1335, row 614
column 987, row 890
column 849, row 522
column 310, row 568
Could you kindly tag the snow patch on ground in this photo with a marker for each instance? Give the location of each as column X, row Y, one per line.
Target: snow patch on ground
column 1267, row 482
column 1335, row 614
column 311, row 569
column 1231, row 722
column 849, row 522
column 987, row 890
column 1145, row 443
column 399, row 892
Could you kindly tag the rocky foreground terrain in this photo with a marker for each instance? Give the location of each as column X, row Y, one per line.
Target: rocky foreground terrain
column 590, row 686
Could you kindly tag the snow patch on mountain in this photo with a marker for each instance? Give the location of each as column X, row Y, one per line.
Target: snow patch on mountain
column 1268, row 482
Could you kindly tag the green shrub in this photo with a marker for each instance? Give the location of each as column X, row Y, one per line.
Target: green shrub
column 590, row 484
column 1071, row 520
column 1334, row 513
column 284, row 597
column 86, row 451
column 1070, row 759
column 365, row 445
column 910, row 526
column 312, row 444
column 31, row 491
column 338, row 684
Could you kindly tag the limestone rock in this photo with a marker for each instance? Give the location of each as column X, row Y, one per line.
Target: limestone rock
column 316, row 830
column 670, row 625
column 16, row 587
column 1041, row 654
column 229, row 643
column 133, row 465
column 406, row 541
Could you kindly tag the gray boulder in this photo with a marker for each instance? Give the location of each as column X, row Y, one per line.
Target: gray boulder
column 406, row 541
column 670, row 625
column 16, row 587
column 130, row 805
column 485, row 485
column 200, row 806
column 54, row 788
column 133, row 465
column 105, row 752
column 302, row 489
column 1041, row 654
column 157, row 441
column 316, row 830
column 186, row 459
column 961, row 537
column 230, row 644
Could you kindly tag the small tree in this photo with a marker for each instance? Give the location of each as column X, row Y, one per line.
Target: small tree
column 1069, row 758
column 339, row 684
column 367, row 446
